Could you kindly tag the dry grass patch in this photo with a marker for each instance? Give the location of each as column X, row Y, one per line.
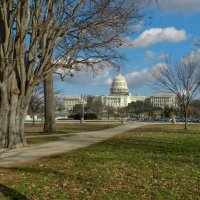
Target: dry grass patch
column 69, row 127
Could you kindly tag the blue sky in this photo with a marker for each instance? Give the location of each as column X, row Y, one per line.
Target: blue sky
column 173, row 36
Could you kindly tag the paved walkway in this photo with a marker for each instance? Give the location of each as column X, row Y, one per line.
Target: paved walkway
column 75, row 141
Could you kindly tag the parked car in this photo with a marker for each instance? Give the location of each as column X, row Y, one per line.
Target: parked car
column 62, row 118
column 195, row 120
column 166, row 119
column 131, row 119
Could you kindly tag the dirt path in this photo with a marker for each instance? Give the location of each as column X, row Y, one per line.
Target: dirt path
column 77, row 140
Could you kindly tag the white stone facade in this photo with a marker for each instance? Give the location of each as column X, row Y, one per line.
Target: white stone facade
column 162, row 100
column 120, row 97
column 115, row 101
column 71, row 101
column 121, row 101
column 137, row 98
column 119, row 94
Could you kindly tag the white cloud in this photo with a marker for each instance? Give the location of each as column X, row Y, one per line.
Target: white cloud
column 184, row 6
column 134, row 79
column 136, row 27
column 150, row 54
column 194, row 56
column 108, row 81
column 102, row 72
column 158, row 56
column 138, row 79
column 85, row 75
column 154, row 36
column 77, row 78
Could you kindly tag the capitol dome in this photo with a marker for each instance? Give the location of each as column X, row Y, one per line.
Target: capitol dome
column 119, row 85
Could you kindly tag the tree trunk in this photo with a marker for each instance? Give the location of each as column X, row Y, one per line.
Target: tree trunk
column 49, row 105
column 185, row 115
column 33, row 119
column 13, row 109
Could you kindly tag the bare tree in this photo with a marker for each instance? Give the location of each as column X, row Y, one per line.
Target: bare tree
column 182, row 79
column 194, row 109
column 36, row 103
column 109, row 110
column 105, row 36
column 94, row 105
column 98, row 107
column 39, row 36
column 59, row 104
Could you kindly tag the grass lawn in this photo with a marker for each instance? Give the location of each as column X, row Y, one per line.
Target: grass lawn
column 151, row 162
column 69, row 128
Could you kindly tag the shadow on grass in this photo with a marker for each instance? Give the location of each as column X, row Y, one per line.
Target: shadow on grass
column 158, row 146
column 166, row 128
column 186, row 151
column 35, row 169
column 11, row 194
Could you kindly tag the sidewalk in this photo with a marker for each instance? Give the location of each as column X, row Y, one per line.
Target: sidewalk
column 75, row 141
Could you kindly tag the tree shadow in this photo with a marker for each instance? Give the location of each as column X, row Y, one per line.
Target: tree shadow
column 12, row 194
column 31, row 170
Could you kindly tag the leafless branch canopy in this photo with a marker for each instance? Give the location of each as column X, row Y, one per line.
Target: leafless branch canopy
column 182, row 79
column 39, row 36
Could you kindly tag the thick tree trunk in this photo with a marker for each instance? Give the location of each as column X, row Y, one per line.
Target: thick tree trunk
column 13, row 108
column 49, row 124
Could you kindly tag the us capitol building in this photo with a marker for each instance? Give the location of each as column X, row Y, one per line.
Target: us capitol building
column 119, row 94
column 120, row 97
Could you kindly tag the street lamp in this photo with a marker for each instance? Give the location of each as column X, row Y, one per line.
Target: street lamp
column 83, row 108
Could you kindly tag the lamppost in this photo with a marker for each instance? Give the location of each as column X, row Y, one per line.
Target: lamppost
column 83, row 108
